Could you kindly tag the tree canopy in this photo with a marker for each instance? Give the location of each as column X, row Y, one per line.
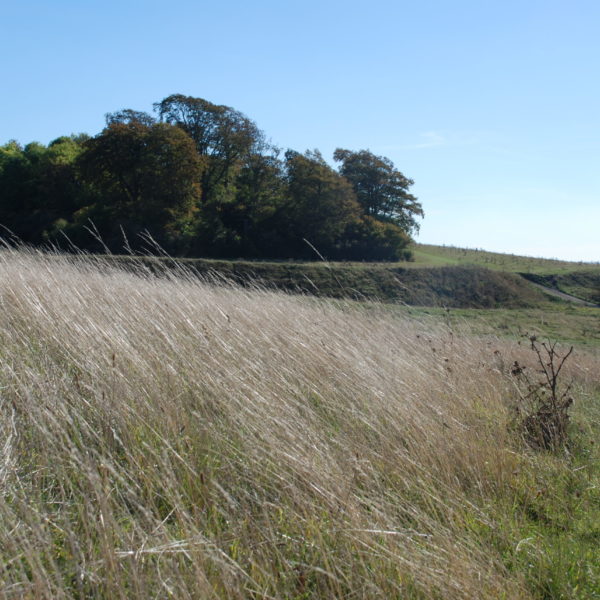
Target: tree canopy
column 202, row 180
column 145, row 177
column 380, row 188
column 320, row 203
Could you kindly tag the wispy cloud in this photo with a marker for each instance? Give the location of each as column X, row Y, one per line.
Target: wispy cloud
column 437, row 139
column 430, row 139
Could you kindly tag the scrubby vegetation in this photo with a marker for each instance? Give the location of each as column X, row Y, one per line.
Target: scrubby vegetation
column 165, row 437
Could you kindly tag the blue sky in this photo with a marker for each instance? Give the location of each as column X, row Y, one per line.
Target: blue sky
column 492, row 107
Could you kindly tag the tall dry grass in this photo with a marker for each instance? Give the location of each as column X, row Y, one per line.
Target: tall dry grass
column 168, row 438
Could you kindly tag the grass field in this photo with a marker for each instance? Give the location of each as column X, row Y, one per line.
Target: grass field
column 164, row 437
column 431, row 255
column 567, row 323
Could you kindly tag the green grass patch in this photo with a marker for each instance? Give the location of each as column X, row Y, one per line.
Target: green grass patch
column 567, row 323
column 431, row 255
column 550, row 530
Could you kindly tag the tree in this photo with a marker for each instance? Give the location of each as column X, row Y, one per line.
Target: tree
column 128, row 115
column 224, row 136
column 320, row 204
column 146, row 177
column 39, row 187
column 253, row 216
column 368, row 238
column 380, row 188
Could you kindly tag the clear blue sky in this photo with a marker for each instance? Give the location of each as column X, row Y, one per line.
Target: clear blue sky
column 492, row 107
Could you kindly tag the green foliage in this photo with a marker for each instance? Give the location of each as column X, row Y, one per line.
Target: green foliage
column 145, row 177
column 320, row 203
column 367, row 238
column 202, row 180
column 380, row 188
column 39, row 185
column 224, row 136
column 128, row 116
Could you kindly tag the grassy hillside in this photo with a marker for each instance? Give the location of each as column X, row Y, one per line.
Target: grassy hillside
column 584, row 284
column 578, row 279
column 431, row 255
column 456, row 286
column 439, row 276
column 162, row 437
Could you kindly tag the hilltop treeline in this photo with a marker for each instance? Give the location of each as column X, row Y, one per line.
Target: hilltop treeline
column 202, row 180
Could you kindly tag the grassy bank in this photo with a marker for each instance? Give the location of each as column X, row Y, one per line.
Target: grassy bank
column 439, row 276
column 584, row 284
column 456, row 286
column 432, row 255
column 163, row 437
column 579, row 279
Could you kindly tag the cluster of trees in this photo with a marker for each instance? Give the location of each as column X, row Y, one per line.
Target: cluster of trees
column 202, row 180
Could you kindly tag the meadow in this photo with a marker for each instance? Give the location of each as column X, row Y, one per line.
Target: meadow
column 168, row 436
column 435, row 255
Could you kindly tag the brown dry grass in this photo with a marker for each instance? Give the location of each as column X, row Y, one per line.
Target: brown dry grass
column 171, row 438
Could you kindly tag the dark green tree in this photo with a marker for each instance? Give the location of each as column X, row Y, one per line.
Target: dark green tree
column 368, row 238
column 253, row 216
column 320, row 204
column 39, row 187
column 128, row 115
column 223, row 136
column 201, row 178
column 146, row 178
column 15, row 188
column 380, row 188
